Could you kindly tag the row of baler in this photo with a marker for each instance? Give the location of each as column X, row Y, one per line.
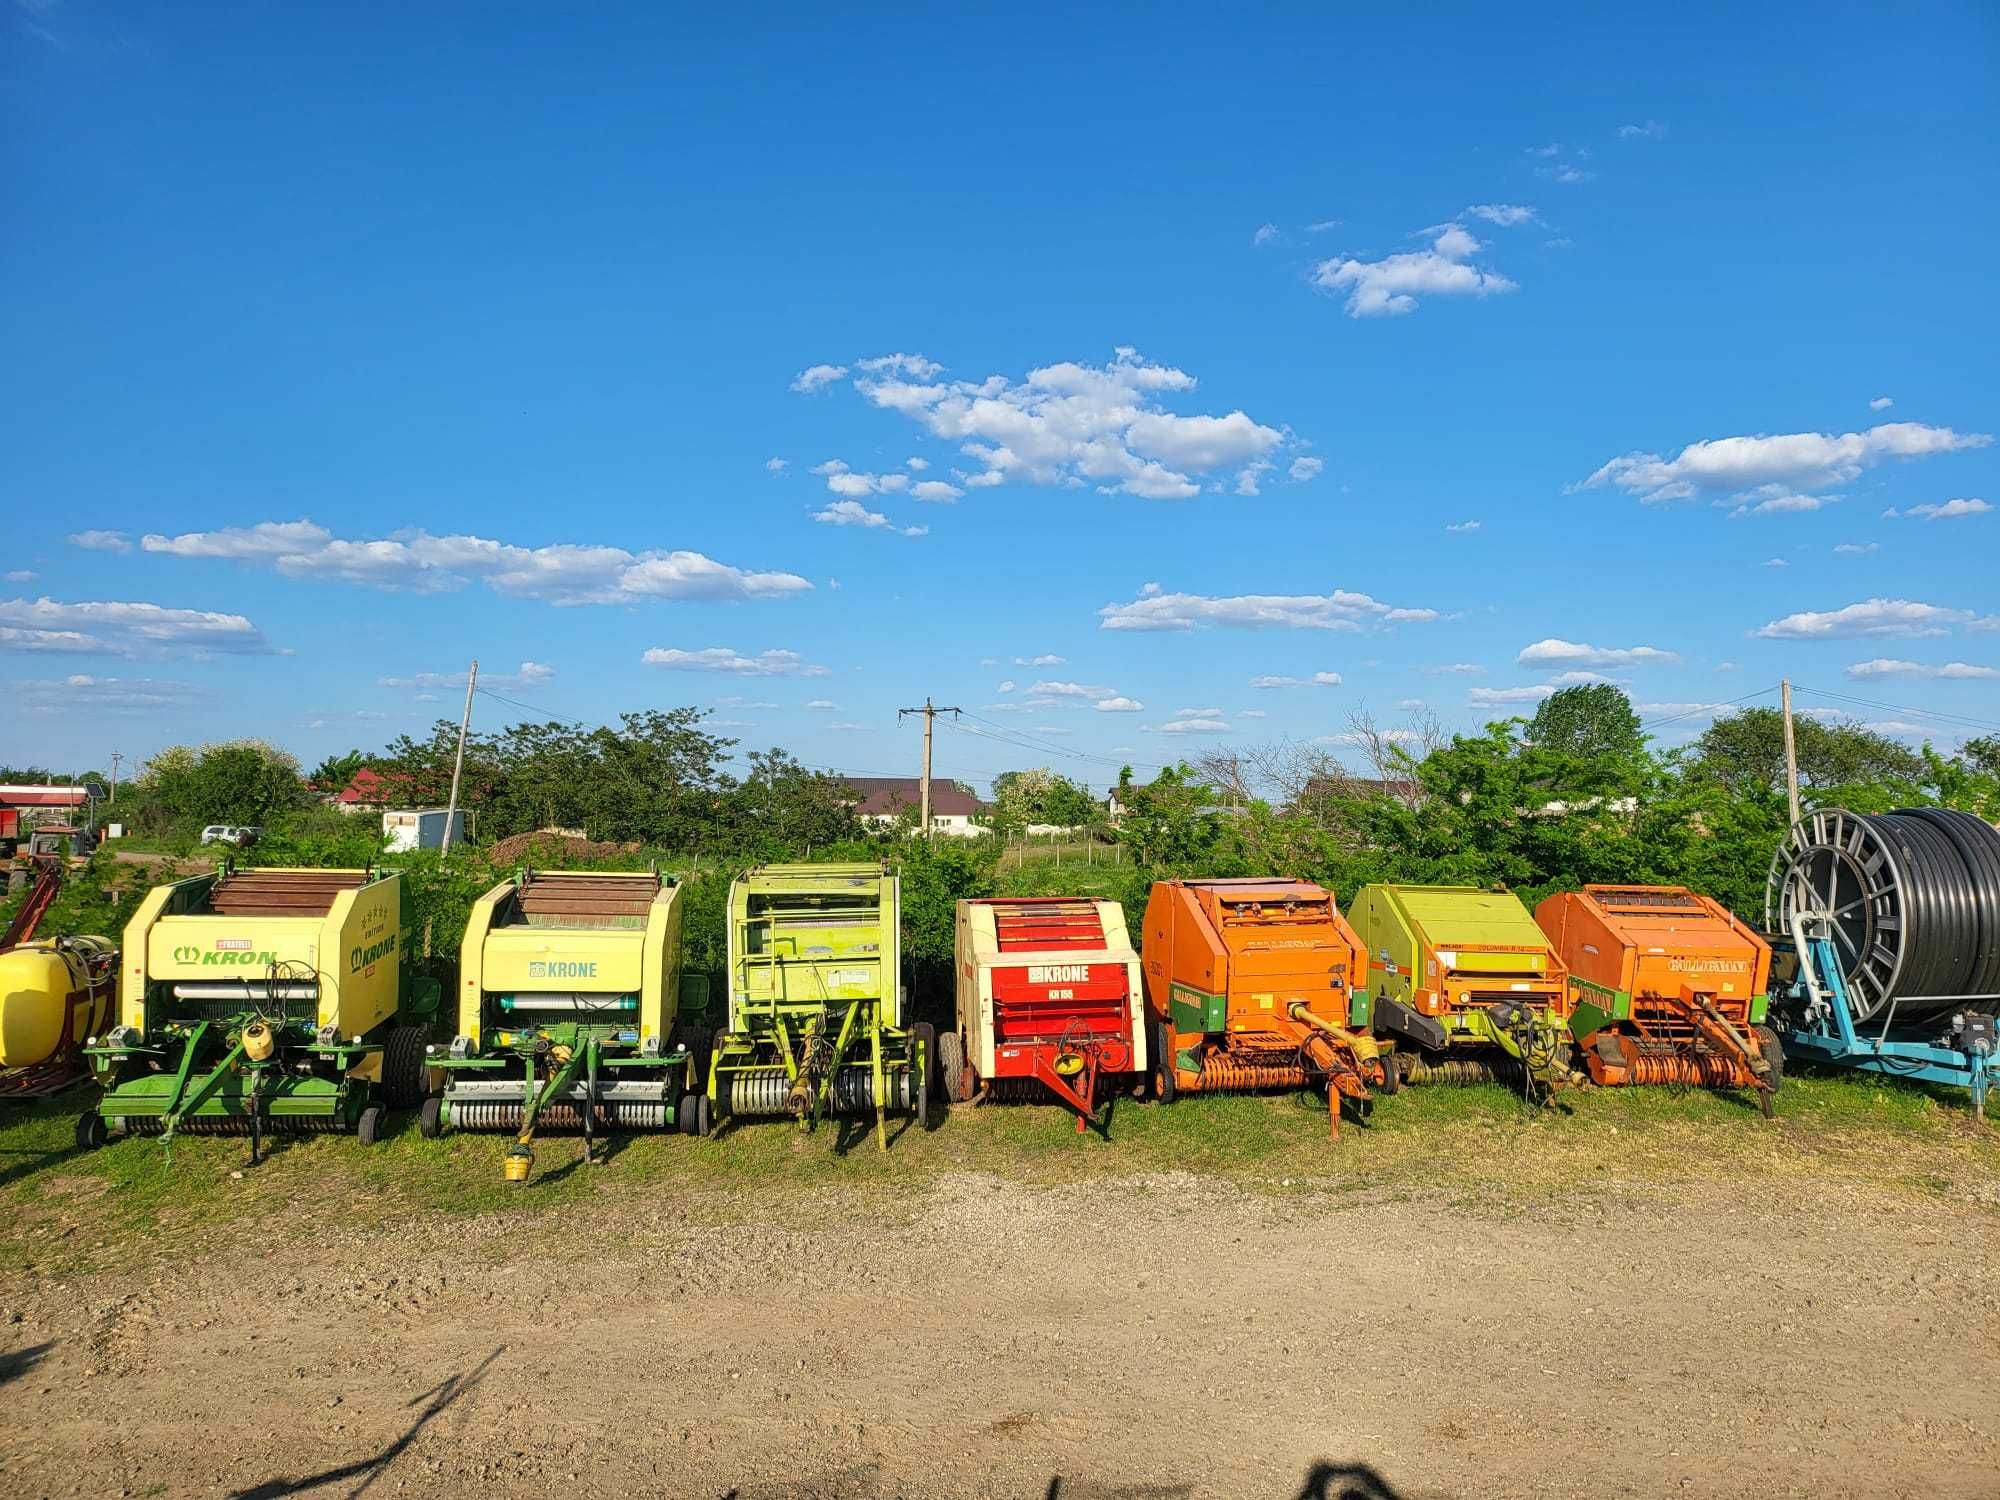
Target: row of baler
column 1262, row 983
column 279, row 1000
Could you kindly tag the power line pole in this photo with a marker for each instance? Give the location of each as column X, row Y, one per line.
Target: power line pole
column 115, row 758
column 1791, row 748
column 930, row 713
column 458, row 762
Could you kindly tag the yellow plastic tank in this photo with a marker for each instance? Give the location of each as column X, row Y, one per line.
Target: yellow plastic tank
column 51, row 991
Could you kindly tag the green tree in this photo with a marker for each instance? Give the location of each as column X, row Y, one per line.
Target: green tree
column 1592, row 720
column 1172, row 824
column 336, row 771
column 783, row 808
column 1747, row 750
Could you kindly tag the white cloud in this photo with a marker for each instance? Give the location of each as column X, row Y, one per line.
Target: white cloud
column 1456, row 669
column 1249, row 481
column 1321, row 226
column 1652, row 130
column 1304, row 469
column 844, row 727
column 1045, row 660
column 775, row 465
column 115, row 628
column 1390, row 736
column 1567, row 173
column 817, row 377
column 1462, row 526
column 854, row 513
column 50, row 697
column 1075, row 425
column 1204, row 721
column 101, row 541
column 1950, row 510
column 1871, row 617
column 1265, row 235
column 1900, row 729
column 1409, row 705
column 1881, row 403
column 1481, row 697
column 1340, row 610
column 1326, row 679
column 937, row 491
column 723, row 659
column 1950, row 671
column 1777, row 500
column 1796, row 461
column 1856, row 549
column 1576, row 654
column 1318, row 679
column 821, row 703
column 913, row 365
column 562, row 573
column 1558, row 242
column 1386, row 287
column 1776, row 562
column 20, row 575
column 916, row 465
column 1504, row 214
column 1076, row 694
column 530, row 674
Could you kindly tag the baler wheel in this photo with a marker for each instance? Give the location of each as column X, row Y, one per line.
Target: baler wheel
column 1163, row 1051
column 430, row 1117
column 1774, row 1054
column 368, row 1130
column 1392, row 1074
column 951, row 1064
column 704, row 1116
column 403, row 1066
column 90, row 1130
column 923, row 1041
column 684, row 1113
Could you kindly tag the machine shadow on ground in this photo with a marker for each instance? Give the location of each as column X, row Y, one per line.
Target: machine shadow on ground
column 368, row 1470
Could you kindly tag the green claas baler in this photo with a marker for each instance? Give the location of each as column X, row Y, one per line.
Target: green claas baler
column 816, row 1008
column 573, row 1013
column 263, row 1001
column 1468, row 981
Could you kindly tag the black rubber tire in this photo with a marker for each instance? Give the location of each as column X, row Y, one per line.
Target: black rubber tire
column 91, row 1131
column 924, row 1043
column 684, row 1113
column 368, row 1129
column 951, row 1065
column 1392, row 1074
column 1163, row 1062
column 430, row 1117
column 704, row 1116
column 1774, row 1054
column 700, row 1044
column 403, row 1066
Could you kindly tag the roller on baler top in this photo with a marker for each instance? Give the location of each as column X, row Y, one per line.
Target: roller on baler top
column 1258, row 983
column 1665, row 986
column 573, row 1013
column 816, row 1022
column 1467, row 977
column 263, row 1001
column 1050, row 1001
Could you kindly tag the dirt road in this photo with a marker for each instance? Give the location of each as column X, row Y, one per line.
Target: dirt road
column 1152, row 1337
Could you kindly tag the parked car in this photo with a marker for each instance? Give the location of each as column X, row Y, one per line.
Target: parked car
column 230, row 833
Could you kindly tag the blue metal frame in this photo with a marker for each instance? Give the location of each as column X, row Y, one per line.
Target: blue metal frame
column 1826, row 1033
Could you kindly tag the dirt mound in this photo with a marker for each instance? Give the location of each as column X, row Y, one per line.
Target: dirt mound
column 545, row 849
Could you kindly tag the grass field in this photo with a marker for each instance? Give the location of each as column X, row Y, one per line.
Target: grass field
column 137, row 1203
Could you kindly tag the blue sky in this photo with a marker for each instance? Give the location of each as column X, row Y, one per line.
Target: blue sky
column 1447, row 357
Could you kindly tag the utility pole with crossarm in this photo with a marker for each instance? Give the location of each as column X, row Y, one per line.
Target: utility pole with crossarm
column 930, row 712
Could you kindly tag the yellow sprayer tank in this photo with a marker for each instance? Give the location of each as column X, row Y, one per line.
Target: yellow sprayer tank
column 54, row 994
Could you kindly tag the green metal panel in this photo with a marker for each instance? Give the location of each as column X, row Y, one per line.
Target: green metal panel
column 1596, row 1007
column 1196, row 1010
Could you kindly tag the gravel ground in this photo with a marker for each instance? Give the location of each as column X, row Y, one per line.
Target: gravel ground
column 1158, row 1336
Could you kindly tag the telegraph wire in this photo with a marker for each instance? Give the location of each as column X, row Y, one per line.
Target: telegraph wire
column 1956, row 720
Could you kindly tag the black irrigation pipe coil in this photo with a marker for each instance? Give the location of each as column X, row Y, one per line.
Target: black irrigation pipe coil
column 1915, row 900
